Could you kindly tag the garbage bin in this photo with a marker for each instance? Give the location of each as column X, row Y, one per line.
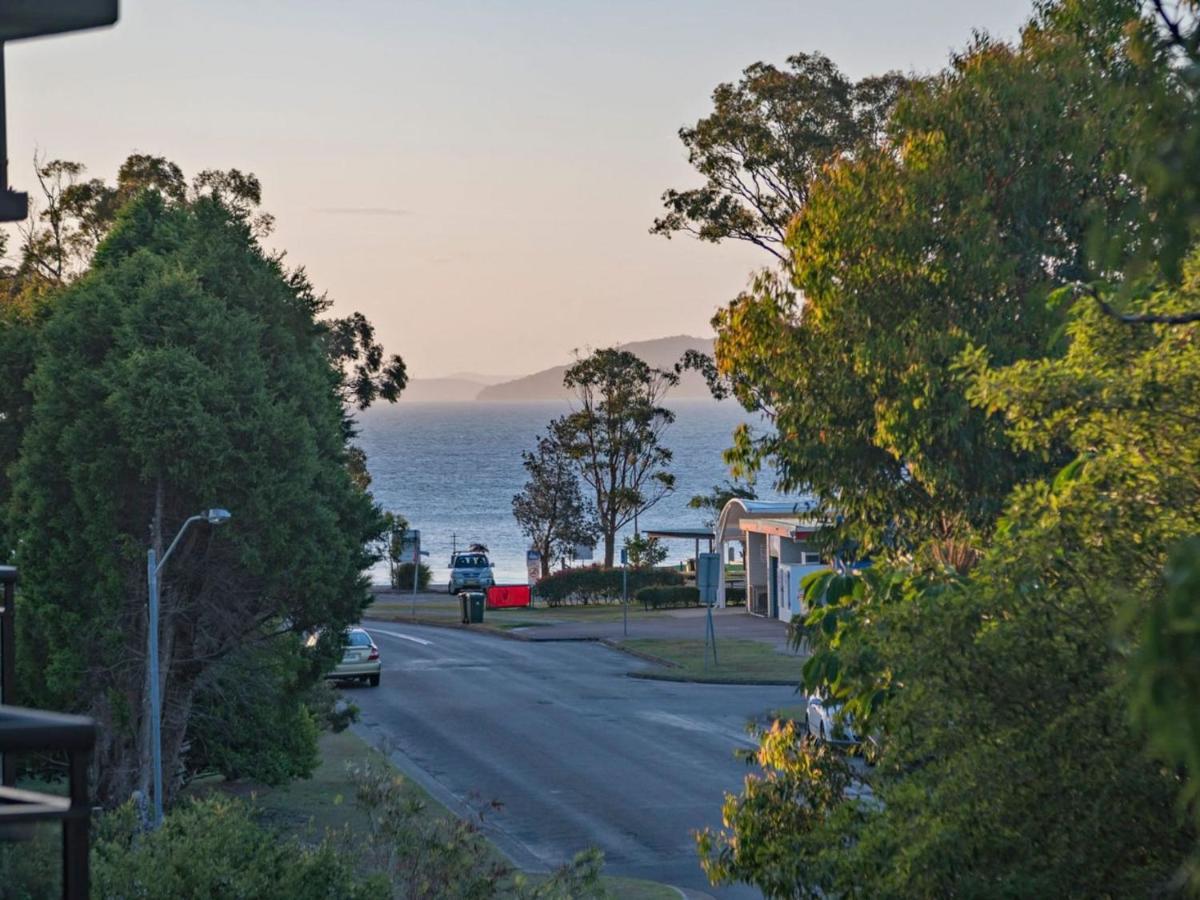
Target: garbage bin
column 474, row 606
column 462, row 608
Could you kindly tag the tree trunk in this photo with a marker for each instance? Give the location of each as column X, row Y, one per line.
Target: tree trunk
column 610, row 543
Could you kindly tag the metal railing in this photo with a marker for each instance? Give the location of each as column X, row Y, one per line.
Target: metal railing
column 31, row 730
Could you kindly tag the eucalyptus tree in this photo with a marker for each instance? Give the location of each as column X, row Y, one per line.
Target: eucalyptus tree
column 615, row 436
column 764, row 142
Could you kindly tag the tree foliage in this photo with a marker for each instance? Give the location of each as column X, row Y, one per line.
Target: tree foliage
column 715, row 500
column 614, row 436
column 766, row 138
column 185, row 370
column 983, row 361
column 995, row 178
column 550, row 509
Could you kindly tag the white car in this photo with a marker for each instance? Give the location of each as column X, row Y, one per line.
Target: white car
column 821, row 721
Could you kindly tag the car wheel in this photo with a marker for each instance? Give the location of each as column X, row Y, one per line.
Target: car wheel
column 373, row 680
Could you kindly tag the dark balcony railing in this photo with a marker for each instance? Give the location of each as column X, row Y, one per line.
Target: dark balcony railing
column 31, row 730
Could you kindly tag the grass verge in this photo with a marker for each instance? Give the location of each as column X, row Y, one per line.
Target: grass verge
column 442, row 609
column 326, row 801
column 739, row 661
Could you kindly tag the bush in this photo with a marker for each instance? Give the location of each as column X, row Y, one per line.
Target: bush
column 675, row 595
column 402, row 577
column 215, row 848
column 595, row 584
column 735, row 596
column 254, row 719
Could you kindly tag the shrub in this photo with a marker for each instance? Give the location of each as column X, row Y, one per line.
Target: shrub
column 595, row 584
column 254, row 719
column 674, row 595
column 215, row 848
column 402, row 577
column 735, row 596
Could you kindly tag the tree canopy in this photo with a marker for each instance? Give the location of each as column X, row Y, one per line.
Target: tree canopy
column 184, row 368
column 766, row 138
column 551, row 509
column 614, row 436
column 982, row 358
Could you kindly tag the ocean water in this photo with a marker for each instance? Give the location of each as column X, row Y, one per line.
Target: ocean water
column 452, row 469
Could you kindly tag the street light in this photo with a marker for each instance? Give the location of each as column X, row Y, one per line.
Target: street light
column 215, row 516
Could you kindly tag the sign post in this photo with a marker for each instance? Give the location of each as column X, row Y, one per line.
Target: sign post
column 410, row 546
column 625, row 590
column 708, row 571
column 533, row 569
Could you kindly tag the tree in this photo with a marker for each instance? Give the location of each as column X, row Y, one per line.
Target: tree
column 614, row 436
column 1030, row 686
column 994, row 177
column 184, row 371
column 761, row 147
column 645, row 552
column 713, row 502
column 999, row 703
column 551, row 509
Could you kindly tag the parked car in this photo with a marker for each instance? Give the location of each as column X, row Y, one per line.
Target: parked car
column 470, row 570
column 360, row 659
column 821, row 721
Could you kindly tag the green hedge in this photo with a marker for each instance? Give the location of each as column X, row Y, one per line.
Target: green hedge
column 403, row 577
column 735, row 596
column 674, row 595
column 595, row 584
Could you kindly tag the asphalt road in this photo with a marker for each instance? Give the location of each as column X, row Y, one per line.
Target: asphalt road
column 578, row 754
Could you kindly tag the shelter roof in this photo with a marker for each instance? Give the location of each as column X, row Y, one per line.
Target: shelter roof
column 691, row 534
column 729, row 526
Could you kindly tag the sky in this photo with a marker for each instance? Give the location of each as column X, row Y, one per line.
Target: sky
column 477, row 177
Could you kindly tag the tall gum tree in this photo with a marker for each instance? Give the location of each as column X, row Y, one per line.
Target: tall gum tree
column 614, row 435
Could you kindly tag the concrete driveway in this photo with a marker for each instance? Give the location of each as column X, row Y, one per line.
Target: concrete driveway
column 577, row 753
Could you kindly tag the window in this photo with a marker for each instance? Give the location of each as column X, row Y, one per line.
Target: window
column 358, row 638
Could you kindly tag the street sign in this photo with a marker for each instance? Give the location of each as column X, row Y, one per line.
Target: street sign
column 708, row 577
column 533, row 565
column 410, row 545
column 624, row 556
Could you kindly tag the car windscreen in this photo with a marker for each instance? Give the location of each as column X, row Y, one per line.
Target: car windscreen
column 470, row 562
column 357, row 639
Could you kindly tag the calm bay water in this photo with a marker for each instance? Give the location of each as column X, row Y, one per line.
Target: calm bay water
column 452, row 468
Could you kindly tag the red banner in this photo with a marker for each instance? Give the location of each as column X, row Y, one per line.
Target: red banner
column 507, row 595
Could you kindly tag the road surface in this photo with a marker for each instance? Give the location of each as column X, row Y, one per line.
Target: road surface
column 578, row 754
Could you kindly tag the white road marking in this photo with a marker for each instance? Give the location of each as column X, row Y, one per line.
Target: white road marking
column 403, row 637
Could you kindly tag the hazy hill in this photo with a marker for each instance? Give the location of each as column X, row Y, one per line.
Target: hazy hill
column 442, row 390
column 662, row 353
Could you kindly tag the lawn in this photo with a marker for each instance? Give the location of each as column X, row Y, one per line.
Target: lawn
column 738, row 660
column 326, row 801
column 442, row 609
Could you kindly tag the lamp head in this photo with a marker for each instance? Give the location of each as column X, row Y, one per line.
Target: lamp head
column 217, row 516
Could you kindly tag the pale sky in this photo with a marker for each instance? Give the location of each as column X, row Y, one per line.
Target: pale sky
column 476, row 177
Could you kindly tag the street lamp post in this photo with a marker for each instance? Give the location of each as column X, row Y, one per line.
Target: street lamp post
column 153, row 568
